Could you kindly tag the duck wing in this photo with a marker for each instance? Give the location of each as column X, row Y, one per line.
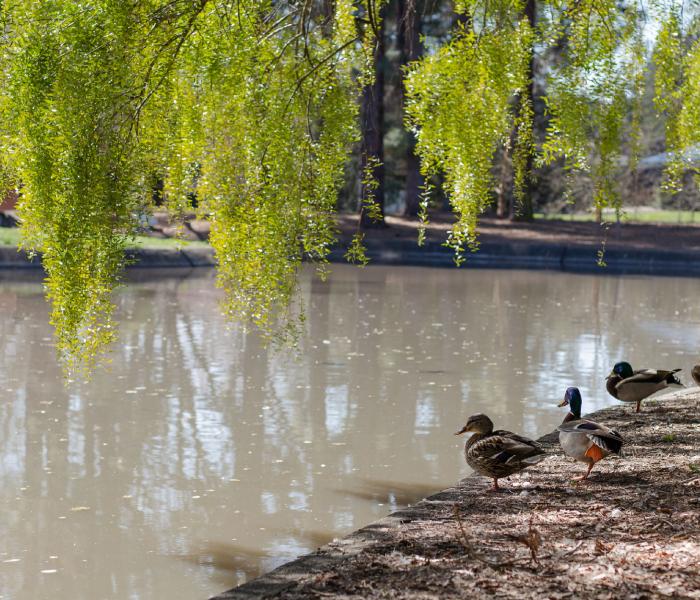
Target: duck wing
column 602, row 436
column 516, row 447
column 654, row 376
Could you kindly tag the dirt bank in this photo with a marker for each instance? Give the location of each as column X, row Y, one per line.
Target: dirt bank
column 631, row 531
column 630, row 236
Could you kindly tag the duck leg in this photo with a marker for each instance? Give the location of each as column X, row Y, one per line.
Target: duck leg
column 639, row 405
column 584, row 477
column 495, row 487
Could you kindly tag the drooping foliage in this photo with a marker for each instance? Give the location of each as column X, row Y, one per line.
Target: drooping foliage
column 593, row 95
column 67, row 107
column 677, row 69
column 460, row 106
column 251, row 104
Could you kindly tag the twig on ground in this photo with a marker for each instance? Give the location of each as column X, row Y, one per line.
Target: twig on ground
column 532, row 539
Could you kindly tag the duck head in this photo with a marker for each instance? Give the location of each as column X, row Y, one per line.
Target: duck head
column 622, row 370
column 572, row 399
column 478, row 423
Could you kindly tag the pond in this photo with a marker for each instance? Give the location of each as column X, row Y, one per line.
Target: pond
column 200, row 458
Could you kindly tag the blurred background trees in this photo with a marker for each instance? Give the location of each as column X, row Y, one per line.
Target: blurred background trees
column 412, row 27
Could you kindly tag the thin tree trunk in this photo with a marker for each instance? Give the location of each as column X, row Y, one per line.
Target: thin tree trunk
column 409, row 29
column 523, row 210
column 327, row 12
column 503, row 194
column 372, row 147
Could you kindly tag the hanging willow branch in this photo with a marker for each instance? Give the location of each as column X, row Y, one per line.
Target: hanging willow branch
column 218, row 99
column 252, row 107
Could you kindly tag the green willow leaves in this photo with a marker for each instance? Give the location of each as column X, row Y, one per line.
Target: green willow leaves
column 460, row 106
column 251, row 106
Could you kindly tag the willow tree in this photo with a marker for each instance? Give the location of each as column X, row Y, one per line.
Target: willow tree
column 677, row 86
column 463, row 102
column 468, row 98
column 252, row 103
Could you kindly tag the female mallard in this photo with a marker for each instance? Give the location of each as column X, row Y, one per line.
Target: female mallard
column 584, row 440
column 696, row 374
column 499, row 453
column 633, row 386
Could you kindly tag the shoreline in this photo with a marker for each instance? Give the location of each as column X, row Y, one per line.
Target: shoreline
column 491, row 255
column 633, row 530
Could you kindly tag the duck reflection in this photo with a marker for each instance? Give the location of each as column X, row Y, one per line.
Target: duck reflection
column 391, row 492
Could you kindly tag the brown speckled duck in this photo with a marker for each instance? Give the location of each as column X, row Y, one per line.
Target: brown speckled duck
column 500, row 453
column 695, row 373
column 633, row 386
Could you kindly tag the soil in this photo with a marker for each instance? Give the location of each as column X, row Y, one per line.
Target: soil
column 631, row 531
column 628, row 235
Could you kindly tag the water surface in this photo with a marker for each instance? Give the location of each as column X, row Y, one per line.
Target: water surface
column 200, row 458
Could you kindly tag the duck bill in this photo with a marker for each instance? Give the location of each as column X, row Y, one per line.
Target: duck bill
column 564, row 402
column 461, row 431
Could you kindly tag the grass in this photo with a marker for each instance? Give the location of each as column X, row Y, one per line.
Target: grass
column 632, row 215
column 10, row 236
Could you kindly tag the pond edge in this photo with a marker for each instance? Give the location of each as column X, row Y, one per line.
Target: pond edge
column 500, row 255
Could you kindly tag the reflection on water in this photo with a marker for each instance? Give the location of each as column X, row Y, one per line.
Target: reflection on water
column 395, row 493
column 201, row 459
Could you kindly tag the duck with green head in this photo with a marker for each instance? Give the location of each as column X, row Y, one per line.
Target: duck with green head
column 585, row 440
column 499, row 453
column 633, row 386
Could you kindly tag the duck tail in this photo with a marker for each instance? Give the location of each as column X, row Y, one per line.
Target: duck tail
column 671, row 378
column 533, row 460
column 608, row 443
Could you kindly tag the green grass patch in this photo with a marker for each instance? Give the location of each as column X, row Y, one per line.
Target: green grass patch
column 631, row 215
column 10, row 236
column 143, row 241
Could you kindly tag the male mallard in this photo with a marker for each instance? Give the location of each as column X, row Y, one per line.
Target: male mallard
column 584, row 440
column 499, row 453
column 696, row 374
column 633, row 386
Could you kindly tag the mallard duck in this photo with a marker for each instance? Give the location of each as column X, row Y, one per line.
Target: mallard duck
column 584, row 440
column 633, row 386
column 499, row 453
column 695, row 373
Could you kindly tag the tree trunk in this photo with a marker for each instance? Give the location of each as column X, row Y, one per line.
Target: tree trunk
column 503, row 191
column 523, row 210
column 327, row 13
column 409, row 30
column 372, row 147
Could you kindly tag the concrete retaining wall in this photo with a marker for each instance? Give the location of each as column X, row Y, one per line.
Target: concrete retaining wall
column 510, row 255
column 523, row 255
column 143, row 258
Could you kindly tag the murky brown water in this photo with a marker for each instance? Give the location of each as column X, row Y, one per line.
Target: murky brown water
column 201, row 459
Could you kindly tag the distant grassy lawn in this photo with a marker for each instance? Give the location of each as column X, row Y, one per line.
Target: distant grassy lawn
column 632, row 216
column 10, row 236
